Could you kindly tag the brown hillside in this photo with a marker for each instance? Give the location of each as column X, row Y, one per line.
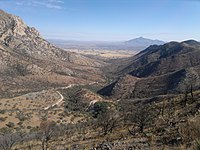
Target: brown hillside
column 30, row 63
column 168, row 69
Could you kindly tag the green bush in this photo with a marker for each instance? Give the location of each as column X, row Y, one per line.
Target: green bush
column 10, row 124
column 29, row 127
column 98, row 108
column 5, row 130
column 2, row 111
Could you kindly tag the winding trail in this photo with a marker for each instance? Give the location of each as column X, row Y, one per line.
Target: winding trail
column 57, row 103
column 72, row 85
column 61, row 96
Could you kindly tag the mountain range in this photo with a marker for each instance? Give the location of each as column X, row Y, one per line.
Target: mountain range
column 158, row 70
column 31, row 63
column 52, row 98
column 143, row 42
column 136, row 44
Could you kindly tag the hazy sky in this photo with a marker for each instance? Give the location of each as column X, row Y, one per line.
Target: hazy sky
column 104, row 20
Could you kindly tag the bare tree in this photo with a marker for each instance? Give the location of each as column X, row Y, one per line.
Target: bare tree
column 141, row 115
column 185, row 98
column 162, row 109
column 47, row 133
column 8, row 140
column 189, row 86
column 107, row 121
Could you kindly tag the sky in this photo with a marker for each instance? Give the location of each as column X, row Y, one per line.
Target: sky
column 110, row 20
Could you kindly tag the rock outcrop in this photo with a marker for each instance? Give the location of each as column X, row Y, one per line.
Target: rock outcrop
column 28, row 62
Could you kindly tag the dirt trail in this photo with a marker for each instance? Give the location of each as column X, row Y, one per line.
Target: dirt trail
column 61, row 96
column 57, row 103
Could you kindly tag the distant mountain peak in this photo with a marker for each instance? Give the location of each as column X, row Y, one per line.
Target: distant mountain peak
column 144, row 42
column 140, row 37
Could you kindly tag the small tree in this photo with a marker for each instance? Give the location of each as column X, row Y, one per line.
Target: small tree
column 107, row 121
column 188, row 87
column 185, row 99
column 8, row 139
column 99, row 108
column 47, row 133
column 141, row 115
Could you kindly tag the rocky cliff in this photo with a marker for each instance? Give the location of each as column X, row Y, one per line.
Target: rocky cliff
column 28, row 62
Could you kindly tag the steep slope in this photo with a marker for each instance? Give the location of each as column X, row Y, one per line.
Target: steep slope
column 168, row 69
column 28, row 62
column 159, row 60
column 87, row 96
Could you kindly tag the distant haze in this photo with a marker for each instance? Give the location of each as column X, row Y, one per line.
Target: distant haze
column 136, row 44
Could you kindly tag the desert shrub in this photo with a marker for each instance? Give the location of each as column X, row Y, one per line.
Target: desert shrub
column 2, row 119
column 2, row 111
column 98, row 108
column 190, row 132
column 28, row 127
column 5, row 130
column 17, row 129
column 21, row 116
column 10, row 124
column 20, row 123
column 34, row 129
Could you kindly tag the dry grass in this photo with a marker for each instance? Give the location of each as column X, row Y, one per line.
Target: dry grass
column 108, row 54
column 28, row 110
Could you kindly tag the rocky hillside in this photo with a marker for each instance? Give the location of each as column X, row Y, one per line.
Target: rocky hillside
column 169, row 68
column 28, row 62
column 159, row 60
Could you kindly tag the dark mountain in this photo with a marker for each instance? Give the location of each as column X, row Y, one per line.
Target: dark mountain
column 191, row 42
column 157, row 70
column 159, row 60
column 28, row 62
